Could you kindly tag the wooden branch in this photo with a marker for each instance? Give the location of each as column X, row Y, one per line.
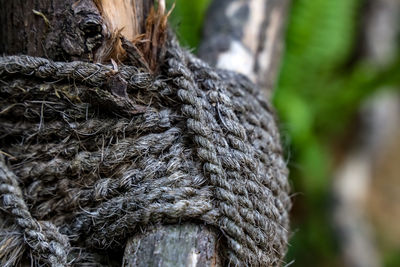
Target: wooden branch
column 246, row 36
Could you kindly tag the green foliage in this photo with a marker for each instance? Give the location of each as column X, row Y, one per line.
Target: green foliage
column 187, row 18
column 318, row 93
column 392, row 258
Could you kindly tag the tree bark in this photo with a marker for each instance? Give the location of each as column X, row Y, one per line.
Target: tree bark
column 68, row 29
column 56, row 29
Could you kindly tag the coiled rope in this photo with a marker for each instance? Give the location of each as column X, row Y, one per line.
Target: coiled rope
column 90, row 153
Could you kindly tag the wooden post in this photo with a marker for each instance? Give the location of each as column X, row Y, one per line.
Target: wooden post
column 247, row 37
column 186, row 244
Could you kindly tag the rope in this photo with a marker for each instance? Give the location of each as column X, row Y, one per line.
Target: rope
column 99, row 152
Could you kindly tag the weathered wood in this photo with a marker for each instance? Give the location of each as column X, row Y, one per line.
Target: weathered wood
column 247, row 37
column 56, row 29
column 68, row 29
column 125, row 18
column 174, row 245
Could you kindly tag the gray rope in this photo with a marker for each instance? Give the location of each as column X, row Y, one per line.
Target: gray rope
column 42, row 237
column 193, row 143
column 93, row 74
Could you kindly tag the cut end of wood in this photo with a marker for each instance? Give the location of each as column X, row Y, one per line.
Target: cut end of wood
column 123, row 23
column 120, row 16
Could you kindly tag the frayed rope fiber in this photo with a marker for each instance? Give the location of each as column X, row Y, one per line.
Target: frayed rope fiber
column 91, row 154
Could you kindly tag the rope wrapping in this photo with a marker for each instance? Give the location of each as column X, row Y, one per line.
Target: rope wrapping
column 94, row 153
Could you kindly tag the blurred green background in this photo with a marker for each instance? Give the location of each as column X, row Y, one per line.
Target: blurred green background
column 324, row 79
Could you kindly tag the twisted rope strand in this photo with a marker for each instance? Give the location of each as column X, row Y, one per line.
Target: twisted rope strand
column 43, row 237
column 193, row 143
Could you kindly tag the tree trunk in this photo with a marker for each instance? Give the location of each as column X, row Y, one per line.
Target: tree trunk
column 67, row 29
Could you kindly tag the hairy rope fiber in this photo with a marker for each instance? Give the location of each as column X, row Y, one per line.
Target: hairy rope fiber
column 95, row 153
